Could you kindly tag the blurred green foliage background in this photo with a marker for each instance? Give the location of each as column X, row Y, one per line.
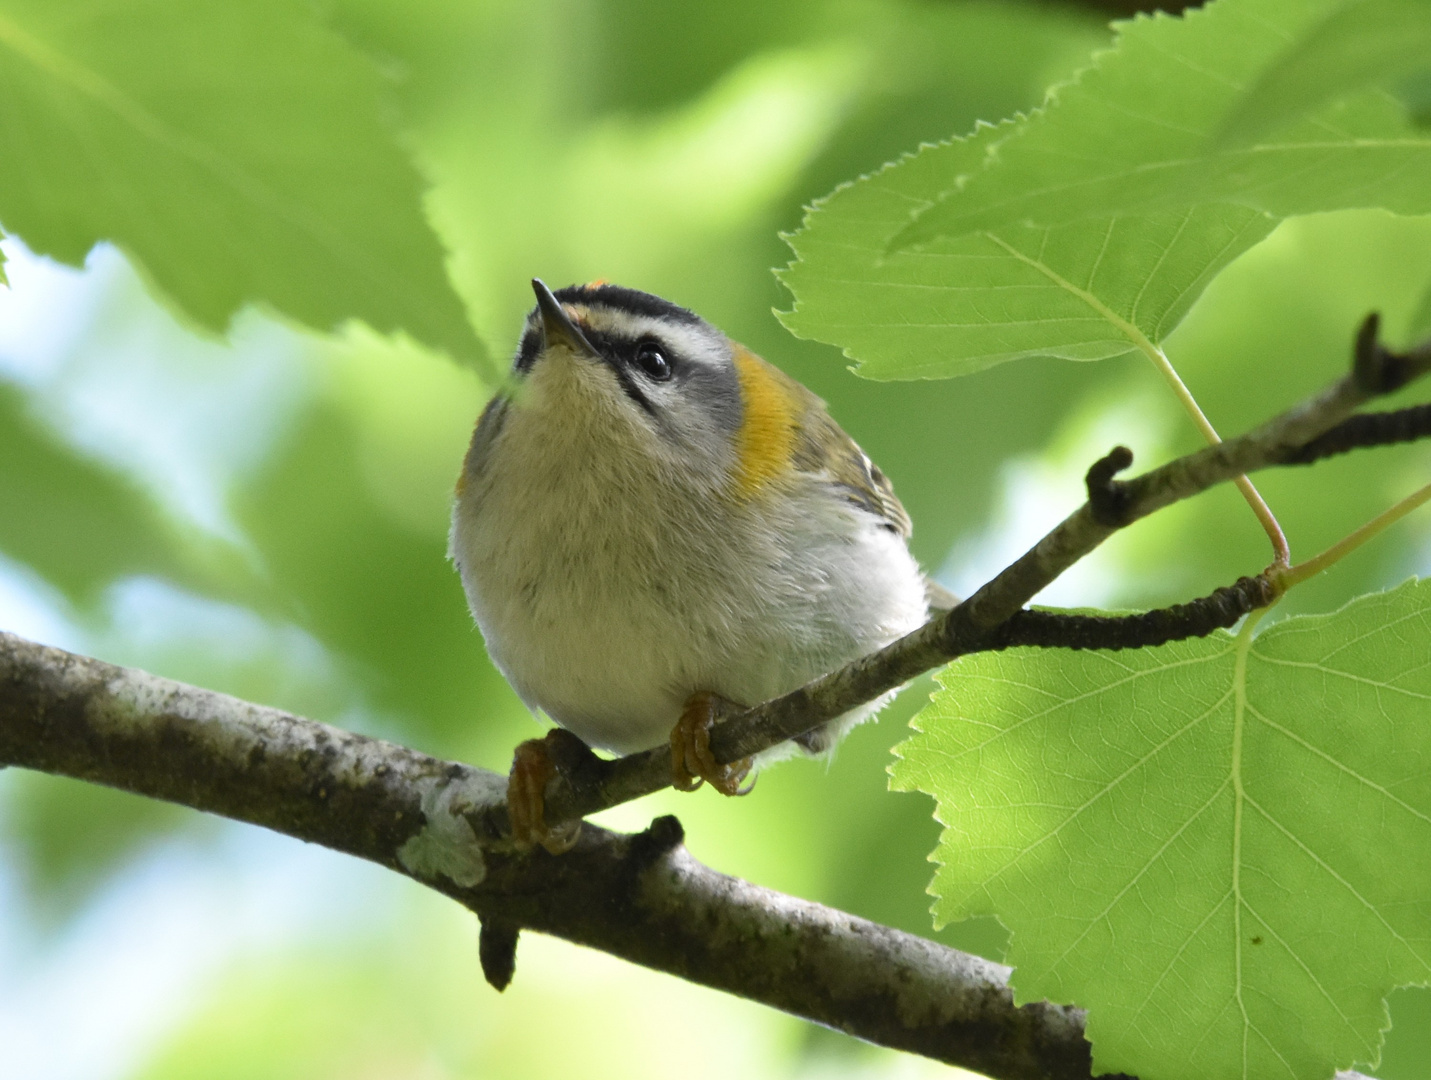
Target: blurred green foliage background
column 265, row 514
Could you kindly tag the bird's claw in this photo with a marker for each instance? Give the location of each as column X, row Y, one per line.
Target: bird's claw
column 532, row 767
column 692, row 762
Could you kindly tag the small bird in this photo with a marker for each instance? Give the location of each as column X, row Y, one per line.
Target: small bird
column 653, row 523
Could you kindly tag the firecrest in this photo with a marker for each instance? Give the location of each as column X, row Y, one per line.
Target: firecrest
column 654, row 519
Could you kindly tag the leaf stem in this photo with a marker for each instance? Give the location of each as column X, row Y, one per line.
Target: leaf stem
column 1302, row 571
column 1281, row 550
column 1281, row 553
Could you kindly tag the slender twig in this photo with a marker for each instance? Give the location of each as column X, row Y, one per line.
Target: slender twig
column 641, row 897
column 1365, row 430
column 1218, row 610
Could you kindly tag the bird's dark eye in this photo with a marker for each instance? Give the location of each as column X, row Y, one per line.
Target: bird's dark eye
column 652, row 359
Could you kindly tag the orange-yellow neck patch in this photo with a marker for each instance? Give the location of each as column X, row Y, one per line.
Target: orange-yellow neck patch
column 766, row 439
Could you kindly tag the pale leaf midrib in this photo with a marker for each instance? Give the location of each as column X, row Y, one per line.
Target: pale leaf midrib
column 1008, row 206
column 1134, row 335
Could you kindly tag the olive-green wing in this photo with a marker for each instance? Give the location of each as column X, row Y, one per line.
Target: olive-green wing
column 822, row 447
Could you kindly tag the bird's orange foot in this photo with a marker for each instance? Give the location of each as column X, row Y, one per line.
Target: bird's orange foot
column 532, row 767
column 691, row 759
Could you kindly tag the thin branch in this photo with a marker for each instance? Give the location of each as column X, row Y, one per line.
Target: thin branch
column 1219, row 610
column 1112, row 505
column 641, row 897
column 1365, row 430
column 1375, row 371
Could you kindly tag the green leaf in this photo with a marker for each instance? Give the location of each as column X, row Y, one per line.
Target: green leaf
column 235, row 151
column 1362, row 43
column 1215, row 846
column 1136, row 133
column 1084, row 291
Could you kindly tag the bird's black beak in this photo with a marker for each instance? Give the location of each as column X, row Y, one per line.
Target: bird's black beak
column 557, row 326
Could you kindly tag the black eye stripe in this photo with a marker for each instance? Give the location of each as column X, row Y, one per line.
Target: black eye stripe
column 621, row 355
column 625, row 355
column 628, row 385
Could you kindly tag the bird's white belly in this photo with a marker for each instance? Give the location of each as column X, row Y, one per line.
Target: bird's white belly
column 609, row 620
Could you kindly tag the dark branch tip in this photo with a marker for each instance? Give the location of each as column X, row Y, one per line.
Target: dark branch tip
column 1376, row 369
column 1109, row 498
column 664, row 834
column 497, row 951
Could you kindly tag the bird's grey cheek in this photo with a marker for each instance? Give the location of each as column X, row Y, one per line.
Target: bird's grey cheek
column 718, row 392
column 730, row 410
column 702, row 451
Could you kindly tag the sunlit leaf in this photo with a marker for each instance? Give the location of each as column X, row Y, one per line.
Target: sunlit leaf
column 1216, row 846
column 235, row 151
column 1084, row 291
column 1361, row 43
column 1135, row 133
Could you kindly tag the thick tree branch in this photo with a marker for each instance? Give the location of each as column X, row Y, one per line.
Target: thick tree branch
column 993, row 618
column 642, row 897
